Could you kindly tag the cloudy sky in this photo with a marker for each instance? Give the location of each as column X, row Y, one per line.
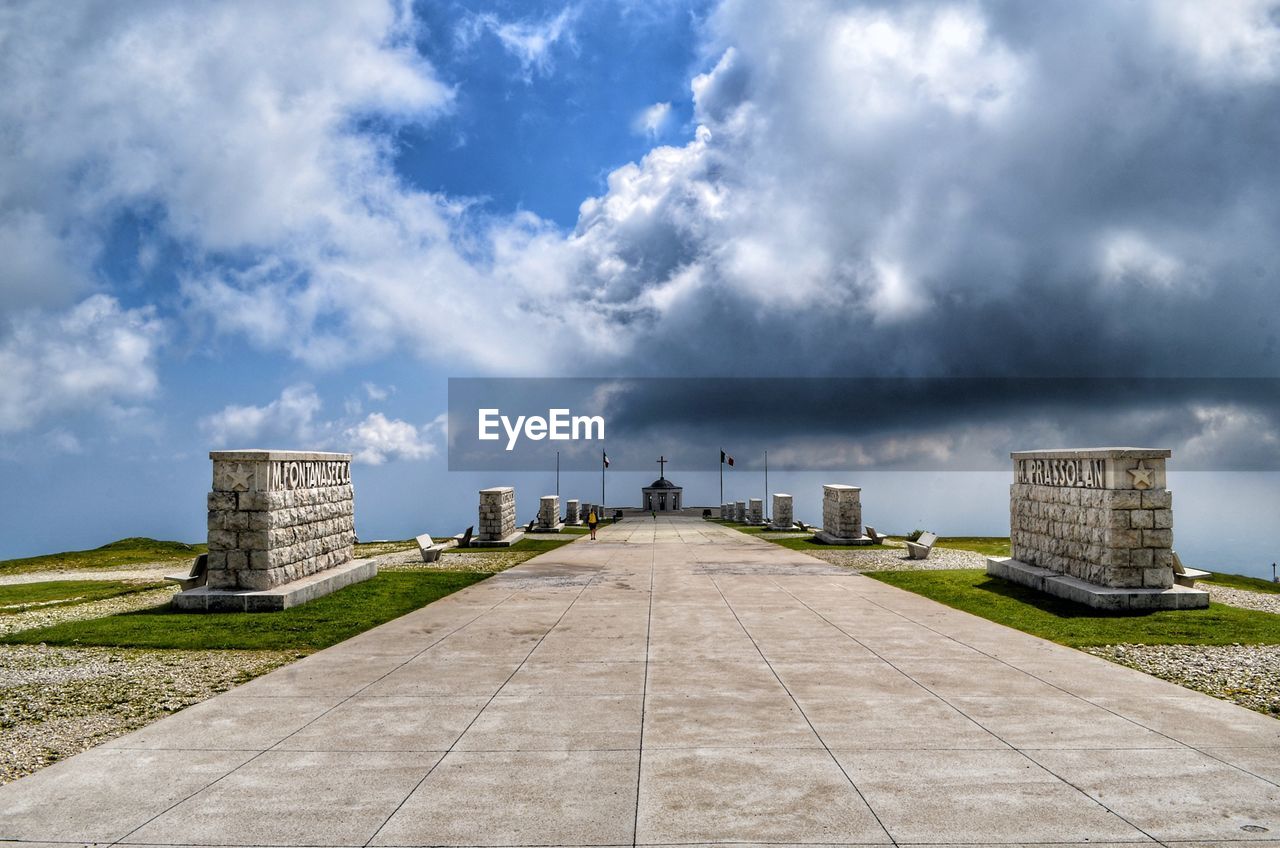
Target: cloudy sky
column 234, row 224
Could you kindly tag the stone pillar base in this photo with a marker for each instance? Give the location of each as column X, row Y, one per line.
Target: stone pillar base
column 554, row 528
column 505, row 542
column 282, row 597
column 1091, row 594
column 822, row 537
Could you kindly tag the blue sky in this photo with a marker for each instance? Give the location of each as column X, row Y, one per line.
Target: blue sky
column 289, row 224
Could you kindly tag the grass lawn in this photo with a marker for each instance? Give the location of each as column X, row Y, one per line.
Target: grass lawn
column 60, row 593
column 312, row 626
column 121, row 554
column 985, row 545
column 1076, row 625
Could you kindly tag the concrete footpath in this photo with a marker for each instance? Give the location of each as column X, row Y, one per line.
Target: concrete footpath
column 677, row 683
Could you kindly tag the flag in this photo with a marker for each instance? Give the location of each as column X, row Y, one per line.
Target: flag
column 724, row 457
column 606, row 458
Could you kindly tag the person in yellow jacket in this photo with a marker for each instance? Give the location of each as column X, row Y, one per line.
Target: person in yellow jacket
column 592, row 521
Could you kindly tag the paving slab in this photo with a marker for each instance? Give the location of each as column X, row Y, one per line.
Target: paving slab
column 677, row 682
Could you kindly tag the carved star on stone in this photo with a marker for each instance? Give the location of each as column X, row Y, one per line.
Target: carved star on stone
column 240, row 478
column 1142, row 476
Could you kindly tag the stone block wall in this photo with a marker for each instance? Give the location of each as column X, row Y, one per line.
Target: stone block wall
column 549, row 511
column 497, row 513
column 740, row 511
column 783, row 511
column 571, row 513
column 277, row 516
column 1102, row 515
column 755, row 511
column 842, row 510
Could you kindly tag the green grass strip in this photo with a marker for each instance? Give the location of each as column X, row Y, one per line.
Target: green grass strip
column 312, row 626
column 1077, row 625
column 119, row 554
column 21, row 597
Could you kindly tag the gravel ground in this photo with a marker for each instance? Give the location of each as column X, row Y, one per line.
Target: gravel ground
column 1261, row 601
column 56, row 702
column 490, row 561
column 94, row 609
column 895, row 559
column 1248, row 675
column 149, row 572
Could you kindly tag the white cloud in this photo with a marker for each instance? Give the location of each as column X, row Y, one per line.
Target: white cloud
column 652, row 120
column 97, row 354
column 293, row 421
column 530, row 42
column 957, row 163
column 378, row 439
column 1127, row 258
column 376, row 392
column 1227, row 41
column 287, row 422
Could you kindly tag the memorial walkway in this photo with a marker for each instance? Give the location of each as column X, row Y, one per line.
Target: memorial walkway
column 677, row 683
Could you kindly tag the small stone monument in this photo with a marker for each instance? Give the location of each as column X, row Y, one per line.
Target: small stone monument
column 1094, row 526
column 281, row 531
column 726, row 511
column 783, row 515
column 497, row 518
column 571, row 515
column 549, row 515
column 740, row 512
column 841, row 516
column 755, row 511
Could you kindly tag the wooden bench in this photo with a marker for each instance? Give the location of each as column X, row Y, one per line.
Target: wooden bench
column 875, row 537
column 429, row 548
column 919, row 549
column 195, row 576
column 1184, row 576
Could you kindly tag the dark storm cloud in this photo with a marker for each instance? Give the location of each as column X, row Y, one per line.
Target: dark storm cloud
column 984, row 189
column 874, row 423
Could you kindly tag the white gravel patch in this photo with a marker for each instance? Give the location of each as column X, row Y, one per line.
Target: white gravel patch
column 1243, row 598
column 895, row 559
column 77, row 612
column 56, row 702
column 152, row 572
column 1248, row 675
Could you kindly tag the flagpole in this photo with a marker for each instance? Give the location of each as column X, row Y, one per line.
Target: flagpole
column 766, row 482
column 722, row 478
column 557, row 474
column 603, row 466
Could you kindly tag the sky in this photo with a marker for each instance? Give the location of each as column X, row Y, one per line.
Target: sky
column 289, row 224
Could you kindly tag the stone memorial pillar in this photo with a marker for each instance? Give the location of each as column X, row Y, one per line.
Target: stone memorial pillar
column 783, row 515
column 842, row 516
column 755, row 511
column 740, row 512
column 549, row 515
column 571, row 515
column 497, row 527
column 281, row 531
column 1094, row 526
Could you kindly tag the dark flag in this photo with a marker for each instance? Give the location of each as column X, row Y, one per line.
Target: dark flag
column 724, row 457
column 606, row 458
